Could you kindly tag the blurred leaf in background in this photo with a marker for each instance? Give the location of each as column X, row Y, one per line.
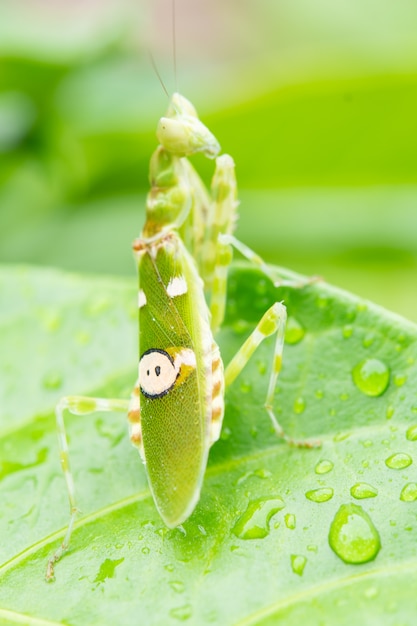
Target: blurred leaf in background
column 315, row 101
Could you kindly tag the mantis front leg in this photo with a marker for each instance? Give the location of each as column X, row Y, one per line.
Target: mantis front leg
column 271, row 323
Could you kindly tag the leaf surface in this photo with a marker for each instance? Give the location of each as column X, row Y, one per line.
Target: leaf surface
column 282, row 535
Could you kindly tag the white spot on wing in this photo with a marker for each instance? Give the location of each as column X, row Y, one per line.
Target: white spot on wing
column 141, row 298
column 177, row 286
column 185, row 357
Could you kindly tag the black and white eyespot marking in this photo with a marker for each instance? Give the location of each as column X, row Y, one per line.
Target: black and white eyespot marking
column 157, row 373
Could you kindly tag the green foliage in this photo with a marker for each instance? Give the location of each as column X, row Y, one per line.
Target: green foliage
column 281, row 535
column 315, row 104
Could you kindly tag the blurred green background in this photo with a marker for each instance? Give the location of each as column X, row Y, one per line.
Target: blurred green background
column 315, row 100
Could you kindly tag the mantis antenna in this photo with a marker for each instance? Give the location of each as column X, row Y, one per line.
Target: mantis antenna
column 174, row 46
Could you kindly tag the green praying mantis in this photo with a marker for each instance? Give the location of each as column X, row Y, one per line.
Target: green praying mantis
column 176, row 408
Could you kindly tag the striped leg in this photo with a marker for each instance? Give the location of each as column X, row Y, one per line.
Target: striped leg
column 219, row 286
column 78, row 405
column 225, row 242
column 230, row 240
column 272, row 322
column 297, row 282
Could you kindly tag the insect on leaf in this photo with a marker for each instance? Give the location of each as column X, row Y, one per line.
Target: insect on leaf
column 301, row 533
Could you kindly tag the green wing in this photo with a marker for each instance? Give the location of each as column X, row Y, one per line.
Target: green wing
column 173, row 316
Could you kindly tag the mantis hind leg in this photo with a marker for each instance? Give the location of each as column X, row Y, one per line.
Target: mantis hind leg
column 78, row 405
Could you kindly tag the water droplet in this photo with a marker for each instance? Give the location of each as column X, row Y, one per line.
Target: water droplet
column 107, row 570
column 259, row 473
column 323, row 467
column 342, row 436
column 52, row 320
column 344, row 396
column 363, row 490
column 225, row 434
column 254, row 523
column 241, row 327
column 244, row 477
column 368, row 340
column 299, row 405
column 145, row 550
column 411, row 433
column 213, row 617
column 53, row 380
column 322, row 302
column 319, row 394
column 262, row 367
column 347, row 331
column 371, row 592
column 262, row 473
column 290, row 521
column 177, row 586
column 10, row 467
column 409, row 492
column 389, row 412
column 400, row 379
column 400, row 460
column 320, row 495
column 98, row 305
column 371, row 376
column 132, row 311
column 182, row 613
column 232, row 286
column 82, row 337
column 262, row 287
column 312, row 547
column 245, row 387
column 232, row 306
column 294, row 332
column 350, row 314
column 298, row 563
column 353, row 536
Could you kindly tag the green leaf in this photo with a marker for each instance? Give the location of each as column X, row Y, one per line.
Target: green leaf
column 282, row 535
